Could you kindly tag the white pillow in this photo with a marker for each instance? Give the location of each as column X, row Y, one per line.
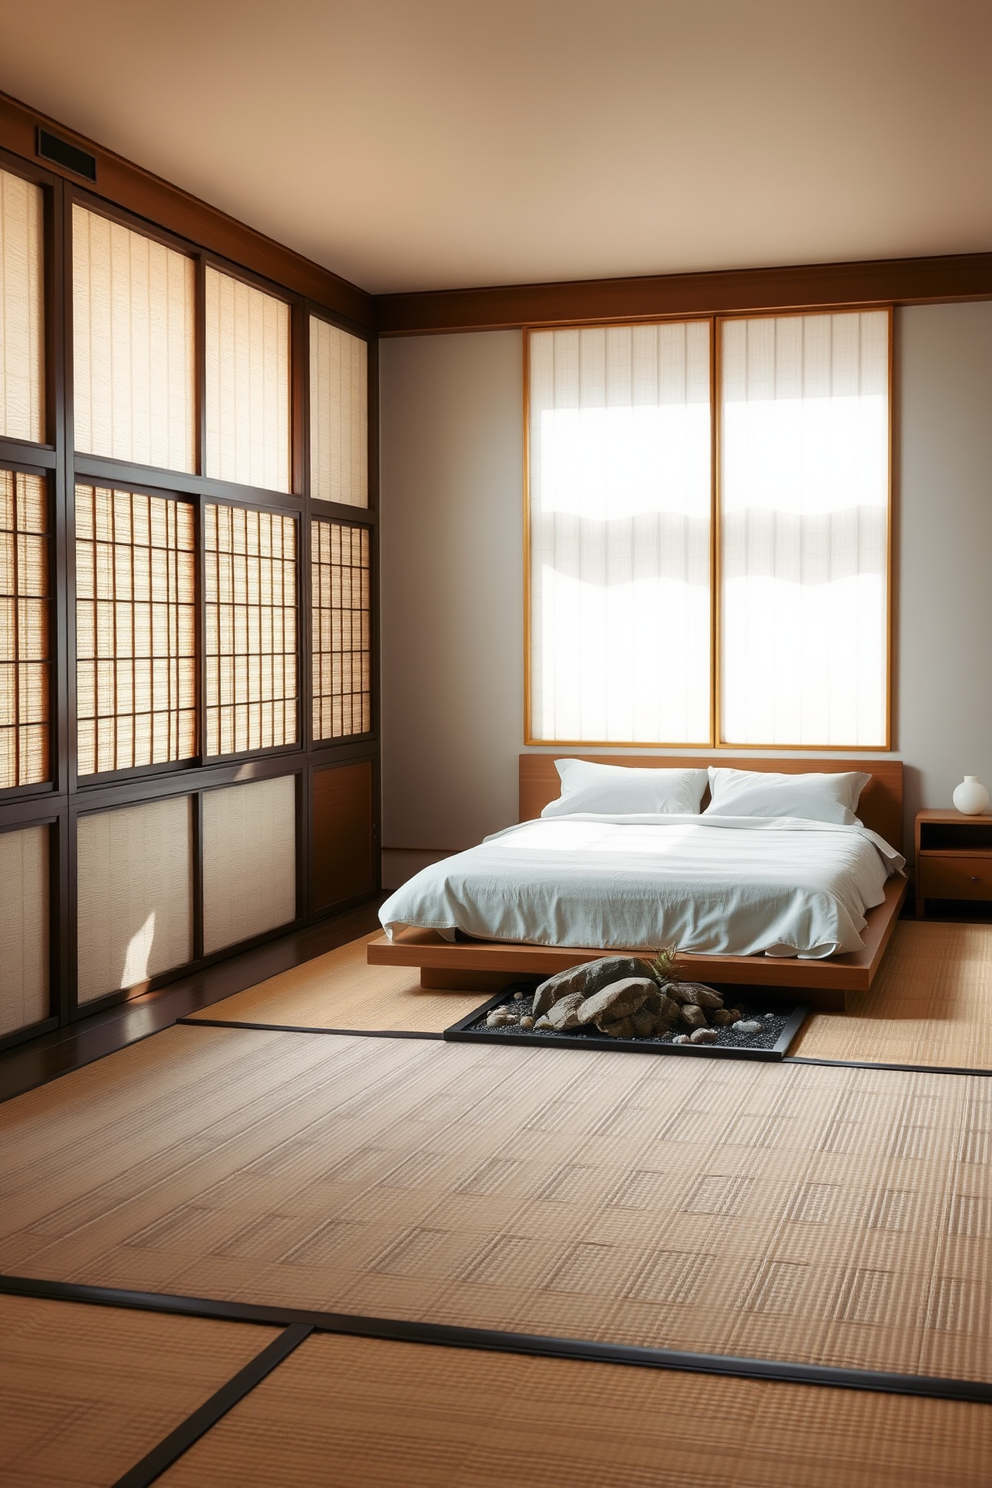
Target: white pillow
column 825, row 798
column 622, row 790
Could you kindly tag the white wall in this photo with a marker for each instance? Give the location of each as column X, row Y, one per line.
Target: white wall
column 943, row 693
column 452, row 628
column 451, row 415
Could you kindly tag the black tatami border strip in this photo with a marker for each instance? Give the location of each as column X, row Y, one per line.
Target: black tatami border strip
column 400, row 1033
column 867, row 1064
column 446, row 1335
column 200, row 1422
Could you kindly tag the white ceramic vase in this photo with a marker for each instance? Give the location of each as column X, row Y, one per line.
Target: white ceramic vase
column 970, row 797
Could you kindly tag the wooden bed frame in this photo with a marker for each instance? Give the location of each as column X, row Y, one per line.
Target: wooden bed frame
column 488, row 966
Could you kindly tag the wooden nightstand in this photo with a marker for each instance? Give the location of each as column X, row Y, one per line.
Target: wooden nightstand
column 953, row 857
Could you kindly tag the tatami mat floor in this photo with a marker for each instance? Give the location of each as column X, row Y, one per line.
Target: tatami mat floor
column 931, row 1003
column 346, row 1411
column 340, row 990
column 803, row 1212
column 86, row 1392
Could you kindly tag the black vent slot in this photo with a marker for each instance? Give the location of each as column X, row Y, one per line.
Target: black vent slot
column 50, row 147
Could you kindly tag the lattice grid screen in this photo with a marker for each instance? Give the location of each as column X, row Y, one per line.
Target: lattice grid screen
column 133, row 345
column 250, row 609
column 341, row 568
column 22, row 310
column 135, row 629
column 24, row 630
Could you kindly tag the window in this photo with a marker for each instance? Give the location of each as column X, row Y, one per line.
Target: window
column 132, row 312
column 250, row 607
column 341, row 566
column 135, row 630
column 630, row 640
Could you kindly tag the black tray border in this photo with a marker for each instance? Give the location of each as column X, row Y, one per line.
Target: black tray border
column 462, row 1033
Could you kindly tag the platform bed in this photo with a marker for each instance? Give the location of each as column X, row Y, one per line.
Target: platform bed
column 488, row 966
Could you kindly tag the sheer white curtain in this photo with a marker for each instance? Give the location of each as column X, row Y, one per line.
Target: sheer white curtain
column 619, row 511
column 804, row 529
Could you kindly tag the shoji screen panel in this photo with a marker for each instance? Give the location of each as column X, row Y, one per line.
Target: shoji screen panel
column 133, row 345
column 135, row 894
column 620, row 497
column 22, row 310
column 339, row 415
column 341, row 588
column 248, row 384
column 804, row 530
column 24, row 934
column 25, row 683
column 249, row 860
column 135, row 629
column 250, row 608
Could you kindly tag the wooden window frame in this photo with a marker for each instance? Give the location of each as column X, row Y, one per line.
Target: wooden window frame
column 716, row 740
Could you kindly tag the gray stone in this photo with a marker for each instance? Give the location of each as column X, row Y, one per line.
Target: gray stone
column 681, row 1038
column 564, row 1013
column 749, row 1025
column 668, row 1013
column 704, row 1036
column 695, row 992
column 587, row 978
column 499, row 1018
column 540, row 1023
column 692, row 1016
column 618, row 1000
column 621, row 1028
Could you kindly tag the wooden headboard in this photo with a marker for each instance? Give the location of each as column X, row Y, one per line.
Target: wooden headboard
column 880, row 807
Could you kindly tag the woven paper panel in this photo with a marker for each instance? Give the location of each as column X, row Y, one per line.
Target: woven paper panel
column 249, row 860
column 23, row 928
column 341, row 570
column 620, row 539
column 25, row 682
column 339, row 418
column 135, row 629
column 804, row 526
column 250, row 608
column 22, row 309
column 247, row 353
column 133, row 345
column 135, row 894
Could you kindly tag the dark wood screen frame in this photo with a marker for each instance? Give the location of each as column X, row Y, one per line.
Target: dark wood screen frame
column 137, row 201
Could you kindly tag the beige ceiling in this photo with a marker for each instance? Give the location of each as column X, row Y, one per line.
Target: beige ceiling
column 419, row 144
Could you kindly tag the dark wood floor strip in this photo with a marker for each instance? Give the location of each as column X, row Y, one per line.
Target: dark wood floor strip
column 447, row 1336
column 400, row 1033
column 189, row 1431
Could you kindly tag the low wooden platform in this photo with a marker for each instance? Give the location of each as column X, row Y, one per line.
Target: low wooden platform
column 489, row 966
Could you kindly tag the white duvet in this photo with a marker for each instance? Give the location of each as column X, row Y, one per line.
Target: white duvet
column 725, row 885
